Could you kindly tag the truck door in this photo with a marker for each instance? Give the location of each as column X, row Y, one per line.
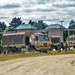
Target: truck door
column 27, row 41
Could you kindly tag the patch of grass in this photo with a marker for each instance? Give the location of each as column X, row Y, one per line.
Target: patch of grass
column 62, row 52
column 4, row 57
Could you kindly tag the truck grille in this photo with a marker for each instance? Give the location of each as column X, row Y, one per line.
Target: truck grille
column 45, row 44
column 72, row 42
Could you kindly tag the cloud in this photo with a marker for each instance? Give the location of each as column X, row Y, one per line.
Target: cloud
column 45, row 10
column 3, row 17
column 64, row 5
column 38, row 10
column 43, row 1
column 52, row 19
column 36, row 2
column 71, row 0
column 9, row 6
column 3, row 2
column 51, row 11
column 16, row 13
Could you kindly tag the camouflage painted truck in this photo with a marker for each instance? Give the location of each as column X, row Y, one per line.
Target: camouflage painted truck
column 71, row 41
column 40, row 42
column 20, row 41
column 15, row 42
column 56, row 43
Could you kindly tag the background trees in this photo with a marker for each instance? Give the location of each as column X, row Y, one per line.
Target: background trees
column 15, row 22
column 2, row 26
column 72, row 26
column 40, row 24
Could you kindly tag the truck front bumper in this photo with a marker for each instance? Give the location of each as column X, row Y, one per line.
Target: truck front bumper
column 42, row 48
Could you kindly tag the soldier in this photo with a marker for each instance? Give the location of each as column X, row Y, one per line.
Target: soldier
column 59, row 48
column 66, row 46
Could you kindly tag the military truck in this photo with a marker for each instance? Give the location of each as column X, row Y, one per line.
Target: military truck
column 40, row 42
column 19, row 41
column 1, row 50
column 71, row 41
column 56, row 43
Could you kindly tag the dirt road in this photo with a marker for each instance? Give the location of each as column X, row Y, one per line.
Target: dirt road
column 42, row 65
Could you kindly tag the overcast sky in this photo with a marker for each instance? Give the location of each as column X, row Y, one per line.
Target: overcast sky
column 51, row 11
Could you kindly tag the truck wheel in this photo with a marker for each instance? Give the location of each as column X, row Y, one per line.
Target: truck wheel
column 44, row 51
column 56, row 48
column 74, row 47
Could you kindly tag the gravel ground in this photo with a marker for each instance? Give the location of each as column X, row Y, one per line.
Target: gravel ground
column 42, row 65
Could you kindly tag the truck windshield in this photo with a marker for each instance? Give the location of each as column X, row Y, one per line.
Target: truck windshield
column 72, row 39
column 43, row 38
column 55, row 40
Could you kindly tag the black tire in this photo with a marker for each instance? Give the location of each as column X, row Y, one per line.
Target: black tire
column 43, row 51
column 74, row 47
column 1, row 49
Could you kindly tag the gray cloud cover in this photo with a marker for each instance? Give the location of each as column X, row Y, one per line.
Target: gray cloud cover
column 64, row 5
column 3, row 17
column 51, row 11
column 39, row 10
column 9, row 6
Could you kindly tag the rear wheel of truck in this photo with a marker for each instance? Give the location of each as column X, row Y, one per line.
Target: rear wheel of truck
column 43, row 51
column 74, row 47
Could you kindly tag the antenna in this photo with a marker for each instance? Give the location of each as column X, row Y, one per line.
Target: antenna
column 62, row 21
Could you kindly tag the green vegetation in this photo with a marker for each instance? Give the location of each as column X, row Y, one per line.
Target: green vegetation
column 1, row 42
column 63, row 52
column 39, row 25
column 15, row 22
column 4, row 57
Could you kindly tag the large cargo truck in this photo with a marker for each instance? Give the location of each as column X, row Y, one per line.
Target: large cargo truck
column 40, row 41
column 16, row 42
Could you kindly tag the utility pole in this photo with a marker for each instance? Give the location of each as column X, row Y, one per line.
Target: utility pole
column 68, row 39
column 61, row 22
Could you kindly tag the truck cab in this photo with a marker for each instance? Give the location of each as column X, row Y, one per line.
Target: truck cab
column 40, row 41
column 56, row 43
column 71, row 41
